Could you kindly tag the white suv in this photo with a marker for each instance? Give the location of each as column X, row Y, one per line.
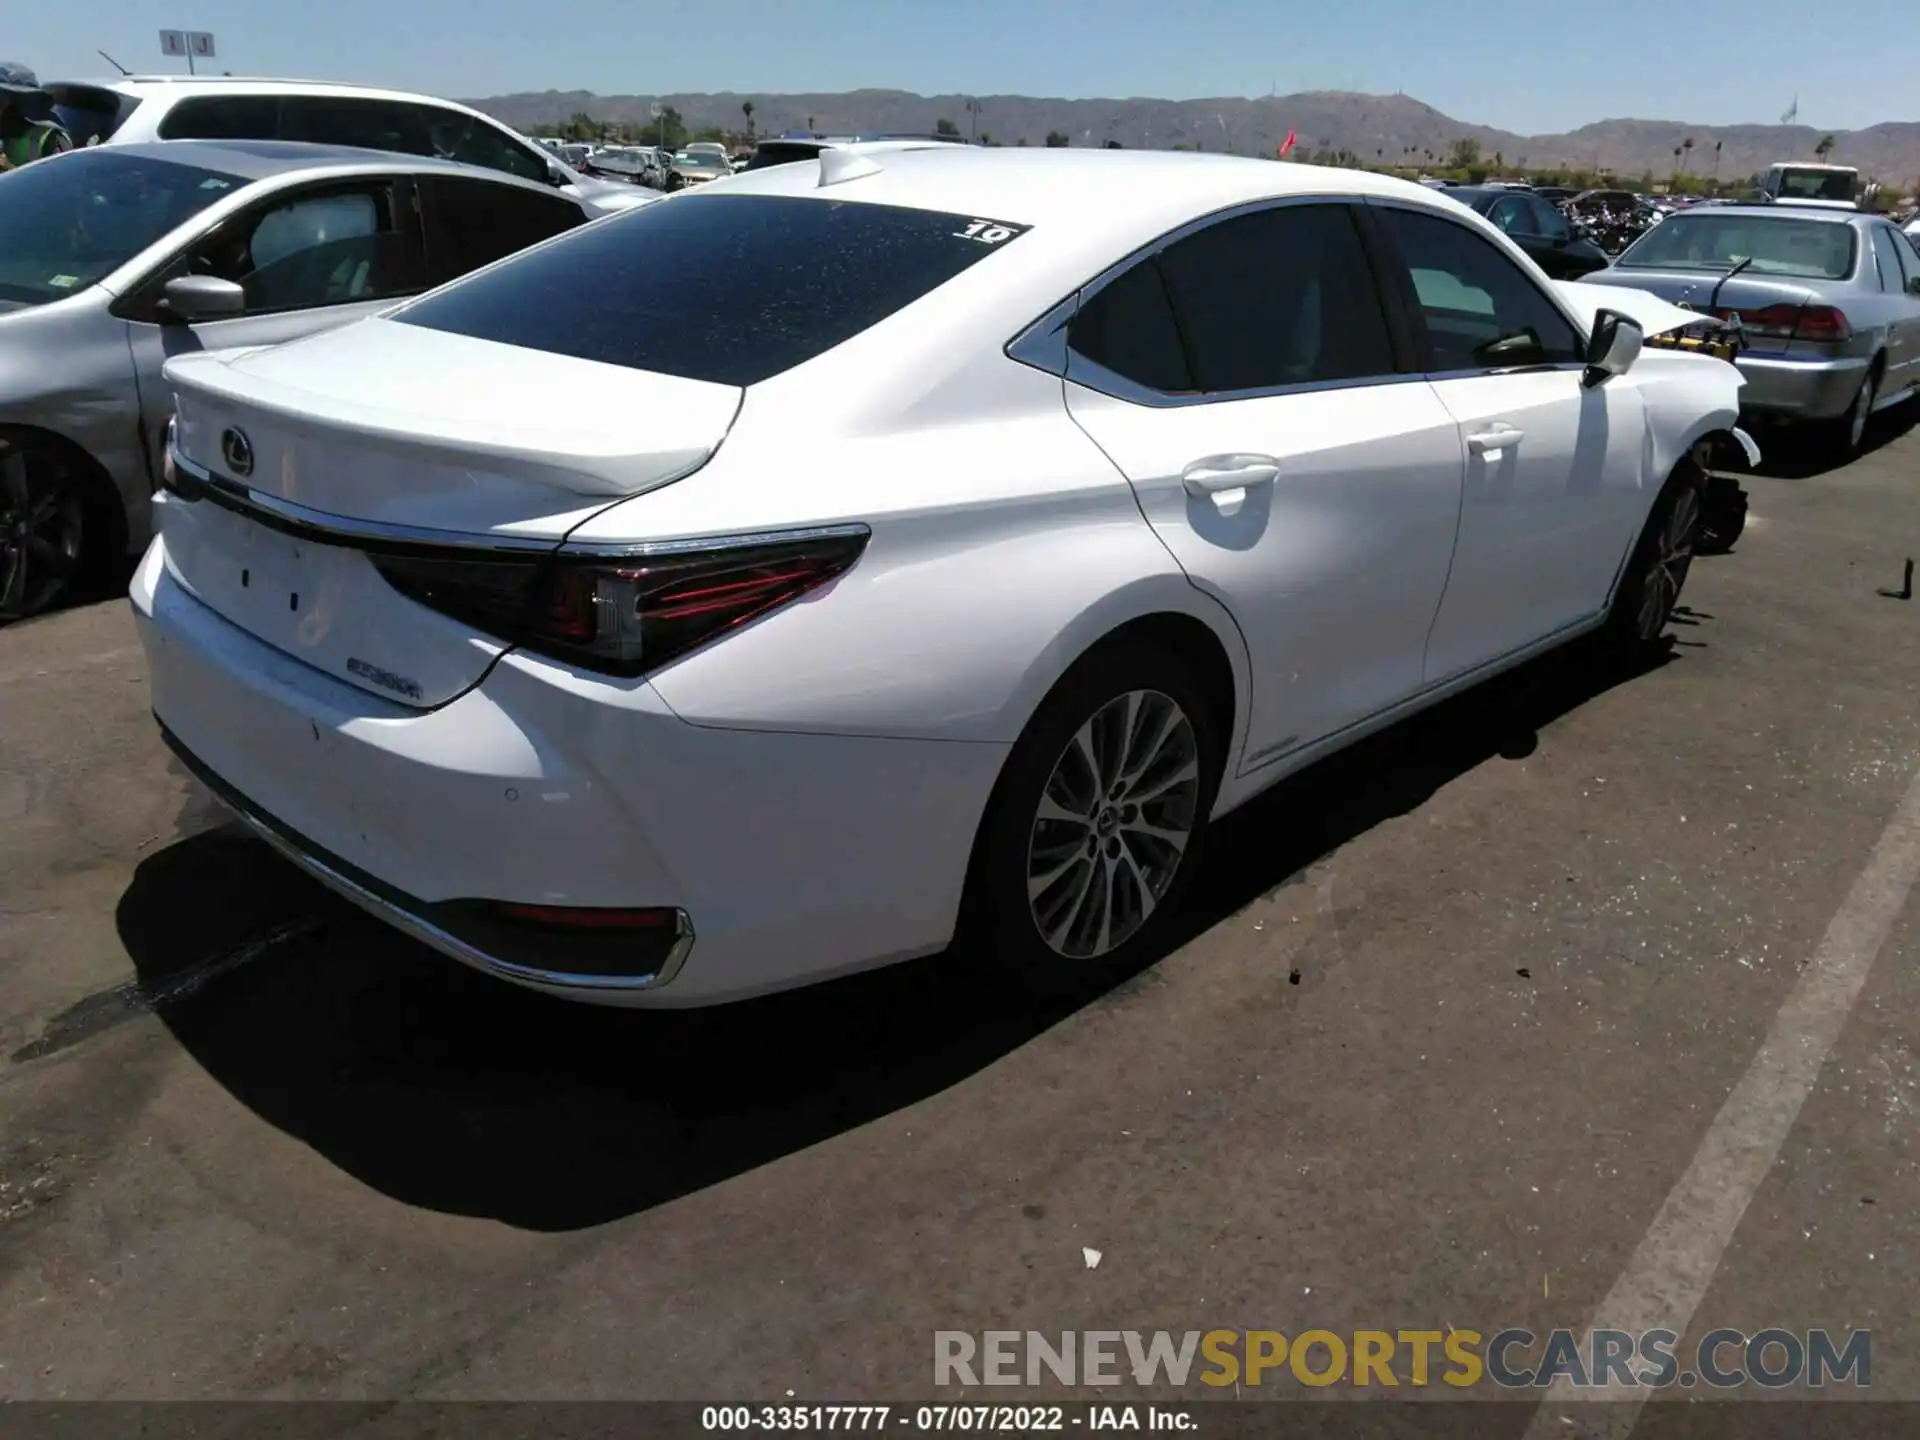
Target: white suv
column 174, row 107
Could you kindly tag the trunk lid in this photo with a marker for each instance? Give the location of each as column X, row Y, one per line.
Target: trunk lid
column 1746, row 294
column 381, row 432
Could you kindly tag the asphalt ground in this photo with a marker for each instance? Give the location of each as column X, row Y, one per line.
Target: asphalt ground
column 1451, row 1046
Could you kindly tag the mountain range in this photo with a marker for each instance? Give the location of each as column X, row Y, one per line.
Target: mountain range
column 1373, row 127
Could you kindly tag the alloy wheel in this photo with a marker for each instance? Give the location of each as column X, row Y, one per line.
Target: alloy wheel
column 1113, row 824
column 41, row 520
column 1667, row 568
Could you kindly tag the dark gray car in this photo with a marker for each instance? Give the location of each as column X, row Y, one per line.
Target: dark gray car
column 1829, row 300
column 115, row 259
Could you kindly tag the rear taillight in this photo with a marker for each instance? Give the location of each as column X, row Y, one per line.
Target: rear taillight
column 1822, row 322
column 626, row 614
column 1792, row 322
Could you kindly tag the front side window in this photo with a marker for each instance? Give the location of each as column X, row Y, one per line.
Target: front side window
column 731, row 289
column 1480, row 310
column 336, row 247
column 1548, row 221
column 472, row 141
column 65, row 227
column 1511, row 217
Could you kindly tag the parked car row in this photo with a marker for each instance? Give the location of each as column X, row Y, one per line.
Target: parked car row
column 116, row 258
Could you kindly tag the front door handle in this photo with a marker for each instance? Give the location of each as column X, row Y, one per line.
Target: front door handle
column 1498, row 436
column 1218, row 474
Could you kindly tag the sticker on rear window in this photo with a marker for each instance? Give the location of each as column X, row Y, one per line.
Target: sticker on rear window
column 991, row 232
column 63, row 282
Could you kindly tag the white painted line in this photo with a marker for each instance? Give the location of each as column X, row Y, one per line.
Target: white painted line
column 1669, row 1273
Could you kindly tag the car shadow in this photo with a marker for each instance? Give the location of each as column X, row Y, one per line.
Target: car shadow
column 1804, row 453
column 446, row 1089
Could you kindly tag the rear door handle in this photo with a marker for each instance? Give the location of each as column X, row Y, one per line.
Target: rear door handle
column 1219, row 474
column 1498, row 436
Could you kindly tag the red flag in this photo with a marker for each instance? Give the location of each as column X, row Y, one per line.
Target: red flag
column 1286, row 146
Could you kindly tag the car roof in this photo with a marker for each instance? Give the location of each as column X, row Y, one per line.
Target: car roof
column 1081, row 211
column 1480, row 192
column 263, row 159
column 1038, row 186
column 146, row 87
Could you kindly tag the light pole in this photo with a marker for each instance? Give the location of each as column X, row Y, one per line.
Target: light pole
column 973, row 119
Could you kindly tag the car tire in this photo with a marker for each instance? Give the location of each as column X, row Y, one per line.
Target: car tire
column 1097, row 824
column 1847, row 435
column 1723, row 515
column 43, row 529
column 1649, row 590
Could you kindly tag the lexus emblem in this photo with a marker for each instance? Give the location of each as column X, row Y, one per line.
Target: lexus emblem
column 237, row 451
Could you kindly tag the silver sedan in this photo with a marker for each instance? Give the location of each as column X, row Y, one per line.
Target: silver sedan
column 1829, row 300
column 115, row 259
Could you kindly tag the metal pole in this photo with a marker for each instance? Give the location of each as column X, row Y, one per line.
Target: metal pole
column 190, row 69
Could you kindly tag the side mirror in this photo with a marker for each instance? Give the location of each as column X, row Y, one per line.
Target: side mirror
column 556, row 177
column 1613, row 347
column 201, row 297
column 1913, row 285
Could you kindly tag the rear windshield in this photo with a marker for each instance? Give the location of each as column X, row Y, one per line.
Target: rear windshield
column 1815, row 184
column 726, row 288
column 775, row 152
column 1775, row 244
column 89, row 113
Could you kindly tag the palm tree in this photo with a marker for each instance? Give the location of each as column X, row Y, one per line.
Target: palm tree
column 1687, row 145
column 746, row 109
column 1825, row 147
column 1716, row 160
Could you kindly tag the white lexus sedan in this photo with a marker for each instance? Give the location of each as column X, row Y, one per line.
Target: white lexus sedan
column 1001, row 519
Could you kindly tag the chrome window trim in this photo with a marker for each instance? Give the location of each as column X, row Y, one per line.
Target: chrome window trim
column 1043, row 344
column 1101, row 380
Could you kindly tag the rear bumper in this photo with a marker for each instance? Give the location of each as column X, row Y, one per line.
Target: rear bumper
column 418, row 919
column 1800, row 389
column 794, row 856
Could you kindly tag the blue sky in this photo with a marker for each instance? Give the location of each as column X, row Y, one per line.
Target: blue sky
column 1526, row 65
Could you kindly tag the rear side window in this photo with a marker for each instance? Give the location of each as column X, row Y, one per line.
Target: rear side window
column 1128, row 328
column 725, row 288
column 1279, row 297
column 223, row 117
column 476, row 222
column 1886, row 250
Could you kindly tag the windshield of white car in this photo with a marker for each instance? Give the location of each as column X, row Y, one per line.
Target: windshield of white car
column 1774, row 244
column 68, row 222
column 725, row 288
column 1816, row 185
